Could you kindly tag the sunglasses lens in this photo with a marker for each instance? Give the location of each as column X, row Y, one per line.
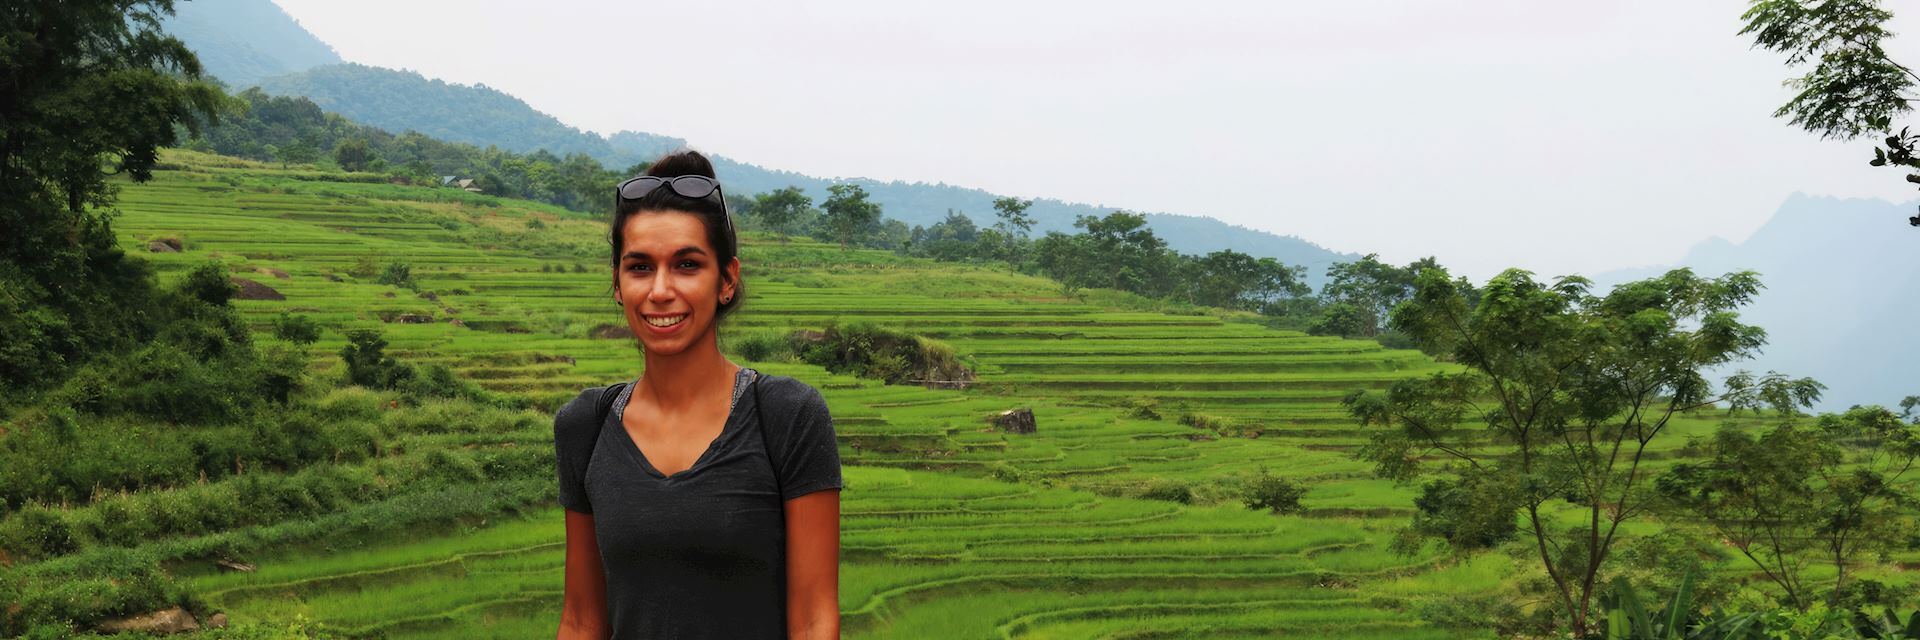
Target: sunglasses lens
column 638, row 187
column 695, row 187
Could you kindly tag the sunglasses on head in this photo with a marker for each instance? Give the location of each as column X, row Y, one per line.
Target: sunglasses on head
column 692, row 187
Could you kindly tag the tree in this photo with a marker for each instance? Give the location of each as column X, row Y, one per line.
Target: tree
column 1014, row 220
column 94, row 89
column 1854, row 88
column 781, row 208
column 353, row 155
column 848, row 212
column 299, row 151
column 1372, row 287
column 1570, row 390
column 1793, row 495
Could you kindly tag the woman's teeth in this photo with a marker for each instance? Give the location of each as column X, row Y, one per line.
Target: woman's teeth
column 666, row 322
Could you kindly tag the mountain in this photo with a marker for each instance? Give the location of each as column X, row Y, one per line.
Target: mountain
column 242, row 41
column 237, row 32
column 1842, row 295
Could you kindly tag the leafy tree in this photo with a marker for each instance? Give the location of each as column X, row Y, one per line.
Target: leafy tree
column 952, row 239
column 781, row 208
column 1273, row 493
column 1372, row 287
column 209, row 283
column 848, row 212
column 1569, row 391
column 1067, row 259
column 298, row 329
column 1853, row 87
column 1125, row 254
column 1012, row 212
column 300, row 151
column 93, row 89
column 353, row 154
column 1228, row 278
column 367, row 362
column 1794, row 495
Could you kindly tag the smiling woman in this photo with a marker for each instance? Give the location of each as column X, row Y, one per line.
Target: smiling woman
column 702, row 498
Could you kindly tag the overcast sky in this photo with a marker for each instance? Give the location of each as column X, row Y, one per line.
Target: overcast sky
column 1559, row 137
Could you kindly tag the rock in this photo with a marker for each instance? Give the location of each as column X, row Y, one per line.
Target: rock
column 456, row 322
column 1015, row 420
column 430, row 296
column 217, row 621
column 250, row 290
column 174, row 620
column 611, row 331
column 232, row 565
column 168, row 245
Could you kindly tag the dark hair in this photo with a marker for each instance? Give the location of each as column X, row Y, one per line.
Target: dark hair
column 685, row 162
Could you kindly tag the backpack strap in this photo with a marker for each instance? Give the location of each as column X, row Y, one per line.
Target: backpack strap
column 607, row 396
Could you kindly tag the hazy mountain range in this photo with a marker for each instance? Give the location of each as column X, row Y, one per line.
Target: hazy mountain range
column 252, row 42
column 1842, row 297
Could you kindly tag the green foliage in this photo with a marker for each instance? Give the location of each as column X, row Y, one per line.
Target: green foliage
column 870, row 351
column 295, row 130
column 849, row 213
column 762, row 346
column 1578, row 386
column 400, row 274
column 1467, row 513
column 782, row 209
column 298, row 329
column 1791, row 495
column 94, row 89
column 209, row 283
column 367, row 362
column 1854, row 87
column 1273, row 493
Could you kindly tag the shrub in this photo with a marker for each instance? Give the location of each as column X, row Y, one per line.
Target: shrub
column 297, row 329
column 208, row 283
column 763, row 346
column 869, row 351
column 367, row 362
column 399, row 274
column 1169, row 490
column 1273, row 493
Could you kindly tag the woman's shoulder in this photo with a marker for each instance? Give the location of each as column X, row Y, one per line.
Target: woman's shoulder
column 788, row 390
column 582, row 412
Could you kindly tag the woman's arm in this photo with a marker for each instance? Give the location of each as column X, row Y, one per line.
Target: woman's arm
column 583, row 609
column 813, row 566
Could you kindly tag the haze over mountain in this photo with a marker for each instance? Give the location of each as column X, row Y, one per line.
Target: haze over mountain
column 399, row 100
column 1842, row 294
column 242, row 41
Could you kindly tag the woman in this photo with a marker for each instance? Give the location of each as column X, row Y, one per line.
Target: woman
column 702, row 500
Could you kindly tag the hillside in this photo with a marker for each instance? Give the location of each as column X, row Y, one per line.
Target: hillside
column 1122, row 511
column 242, row 41
column 1817, row 255
column 480, row 115
column 944, row 516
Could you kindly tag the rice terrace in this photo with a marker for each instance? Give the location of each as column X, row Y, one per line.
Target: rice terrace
column 269, row 369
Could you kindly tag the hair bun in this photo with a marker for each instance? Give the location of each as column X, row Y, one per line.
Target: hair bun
column 684, row 162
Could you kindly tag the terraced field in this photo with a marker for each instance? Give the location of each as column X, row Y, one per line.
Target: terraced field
column 953, row 529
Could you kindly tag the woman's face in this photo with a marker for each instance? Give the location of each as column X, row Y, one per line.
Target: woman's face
column 668, row 275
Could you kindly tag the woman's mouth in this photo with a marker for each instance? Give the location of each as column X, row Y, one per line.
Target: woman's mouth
column 665, row 324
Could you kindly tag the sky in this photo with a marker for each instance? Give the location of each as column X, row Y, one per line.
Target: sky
column 1557, row 137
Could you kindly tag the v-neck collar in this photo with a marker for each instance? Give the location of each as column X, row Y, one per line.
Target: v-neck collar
column 735, row 413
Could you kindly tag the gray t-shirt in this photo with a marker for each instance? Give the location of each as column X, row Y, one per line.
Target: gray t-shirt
column 700, row 553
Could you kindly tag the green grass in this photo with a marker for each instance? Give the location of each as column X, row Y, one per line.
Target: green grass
column 952, row 528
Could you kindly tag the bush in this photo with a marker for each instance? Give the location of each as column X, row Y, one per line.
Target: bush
column 763, row 346
column 208, row 283
column 399, row 274
column 1169, row 490
column 869, row 351
column 296, row 329
column 1273, row 493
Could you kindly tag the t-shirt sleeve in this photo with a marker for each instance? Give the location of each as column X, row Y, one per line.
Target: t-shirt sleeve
column 574, row 432
column 811, row 457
